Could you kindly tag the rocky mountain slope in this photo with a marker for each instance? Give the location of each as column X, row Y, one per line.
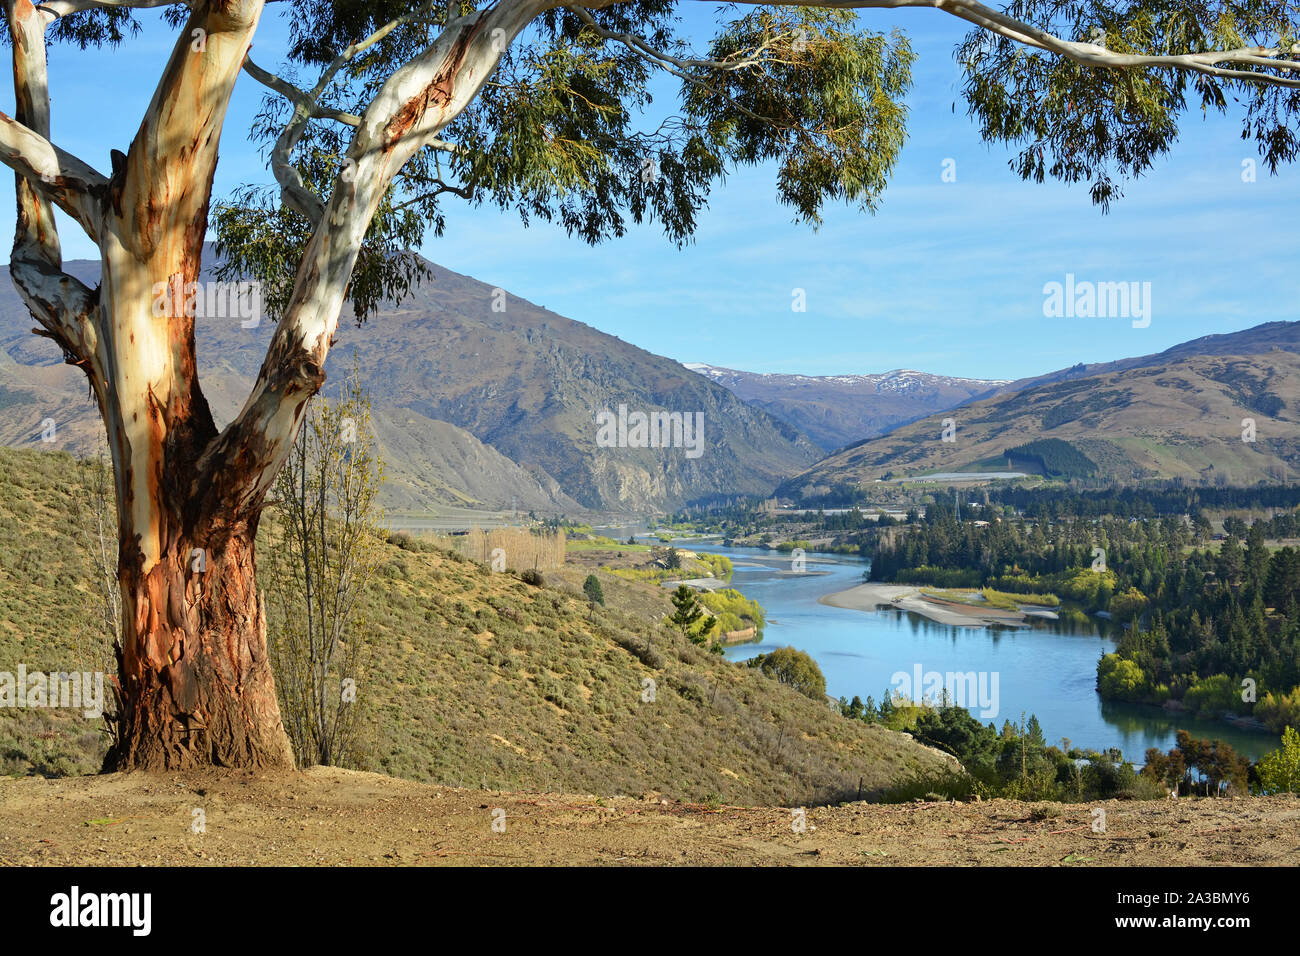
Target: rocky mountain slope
column 520, row 380
column 428, row 463
column 532, row 383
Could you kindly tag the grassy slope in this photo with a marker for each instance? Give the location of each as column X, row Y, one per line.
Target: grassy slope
column 478, row 679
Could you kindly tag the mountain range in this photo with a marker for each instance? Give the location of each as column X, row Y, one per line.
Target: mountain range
column 1223, row 409
column 836, row 410
column 483, row 400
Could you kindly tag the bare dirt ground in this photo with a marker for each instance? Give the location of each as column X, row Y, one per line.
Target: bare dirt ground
column 326, row 817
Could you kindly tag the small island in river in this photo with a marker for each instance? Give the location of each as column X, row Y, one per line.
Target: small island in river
column 960, row 611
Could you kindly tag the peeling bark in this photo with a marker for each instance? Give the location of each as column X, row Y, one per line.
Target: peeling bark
column 438, row 93
column 194, row 672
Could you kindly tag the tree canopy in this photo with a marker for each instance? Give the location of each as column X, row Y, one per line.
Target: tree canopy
column 1083, row 90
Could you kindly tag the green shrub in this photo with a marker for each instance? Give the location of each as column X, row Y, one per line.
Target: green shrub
column 794, row 668
column 734, row 611
column 1119, row 679
column 1210, row 696
column 1279, row 771
column 941, row 785
column 1279, row 711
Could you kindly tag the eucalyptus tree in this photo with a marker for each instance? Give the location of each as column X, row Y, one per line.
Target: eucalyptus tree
column 381, row 114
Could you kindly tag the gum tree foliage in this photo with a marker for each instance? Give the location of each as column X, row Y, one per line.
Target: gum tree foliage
column 384, row 116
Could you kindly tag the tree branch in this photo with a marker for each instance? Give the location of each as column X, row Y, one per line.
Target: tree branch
column 165, row 186
column 679, row 66
column 293, row 191
column 298, row 96
column 1088, row 54
column 638, row 45
column 63, row 8
column 61, row 303
column 68, row 182
column 440, row 187
column 414, row 104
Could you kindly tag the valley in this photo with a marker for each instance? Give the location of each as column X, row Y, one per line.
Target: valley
column 545, row 434
column 450, row 467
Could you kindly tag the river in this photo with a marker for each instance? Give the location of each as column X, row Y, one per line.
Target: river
column 1048, row 669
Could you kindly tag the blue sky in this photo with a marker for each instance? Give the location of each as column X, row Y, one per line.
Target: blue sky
column 947, row 277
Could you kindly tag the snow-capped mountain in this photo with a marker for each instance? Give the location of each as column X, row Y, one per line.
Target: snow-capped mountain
column 836, row 410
